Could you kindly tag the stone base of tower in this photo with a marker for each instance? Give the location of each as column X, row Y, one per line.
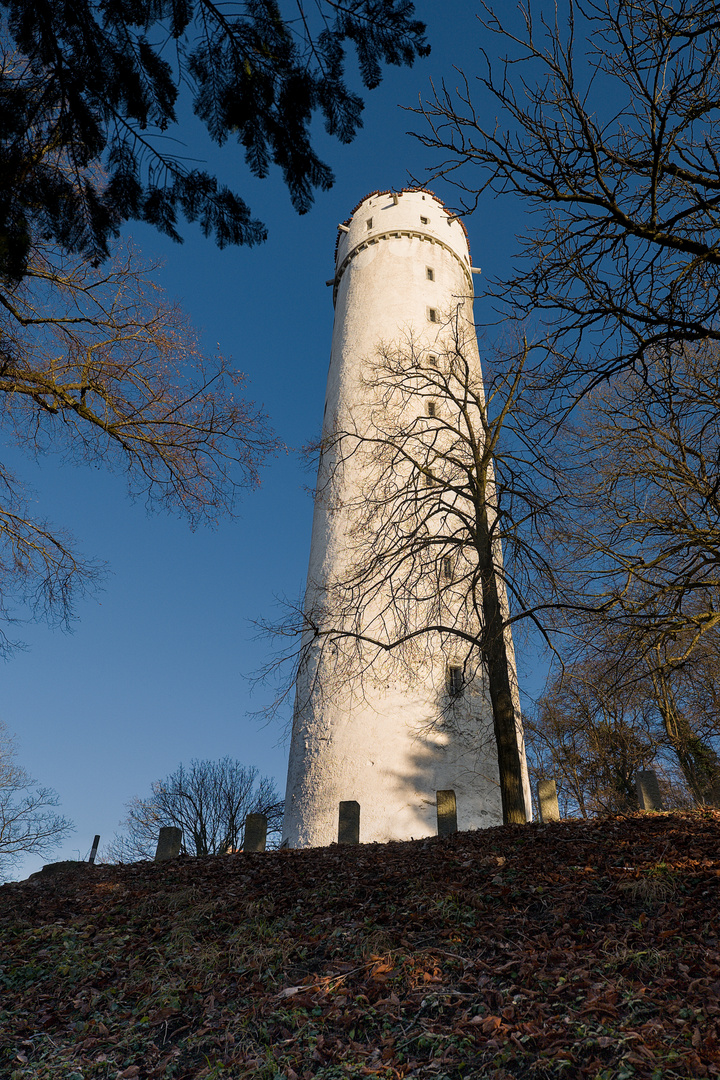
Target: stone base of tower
column 393, row 771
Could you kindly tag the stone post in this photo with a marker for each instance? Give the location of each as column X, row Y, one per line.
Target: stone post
column 255, row 832
column 446, row 812
column 349, row 822
column 548, row 801
column 94, row 848
column 648, row 790
column 169, row 842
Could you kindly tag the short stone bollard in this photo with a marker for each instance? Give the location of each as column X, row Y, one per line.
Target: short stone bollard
column 548, row 801
column 93, row 851
column 648, row 790
column 446, row 813
column 169, row 843
column 349, row 822
column 255, row 832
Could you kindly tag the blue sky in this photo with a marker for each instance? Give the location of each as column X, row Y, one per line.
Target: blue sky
column 154, row 672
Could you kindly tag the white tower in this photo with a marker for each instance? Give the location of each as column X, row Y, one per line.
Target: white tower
column 402, row 261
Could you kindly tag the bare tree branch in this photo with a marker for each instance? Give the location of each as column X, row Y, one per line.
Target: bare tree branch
column 604, row 122
column 29, row 823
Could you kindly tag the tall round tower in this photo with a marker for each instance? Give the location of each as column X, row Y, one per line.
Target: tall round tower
column 386, row 736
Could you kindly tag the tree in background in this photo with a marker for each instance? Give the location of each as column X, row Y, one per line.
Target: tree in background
column 612, row 711
column 591, row 737
column 97, row 366
column 642, row 539
column 644, row 533
column 99, row 83
column 29, row 823
column 603, row 119
column 693, row 741
column 209, row 801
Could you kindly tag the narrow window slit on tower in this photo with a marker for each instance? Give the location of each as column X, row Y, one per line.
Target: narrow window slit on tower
column 432, row 314
column 455, row 681
column 447, row 567
column 369, row 223
column 431, row 408
column 430, row 273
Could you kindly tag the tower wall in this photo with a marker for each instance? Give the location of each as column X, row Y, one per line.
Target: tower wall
column 379, row 740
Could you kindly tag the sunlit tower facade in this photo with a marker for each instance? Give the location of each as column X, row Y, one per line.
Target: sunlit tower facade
column 384, row 740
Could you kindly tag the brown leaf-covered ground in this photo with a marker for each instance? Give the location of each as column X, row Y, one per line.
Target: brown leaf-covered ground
column 582, row 949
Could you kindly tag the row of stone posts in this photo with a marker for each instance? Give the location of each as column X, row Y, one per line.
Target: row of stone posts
column 170, row 839
column 349, row 817
column 646, row 785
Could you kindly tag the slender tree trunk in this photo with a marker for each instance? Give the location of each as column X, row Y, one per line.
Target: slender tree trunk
column 496, row 658
column 698, row 761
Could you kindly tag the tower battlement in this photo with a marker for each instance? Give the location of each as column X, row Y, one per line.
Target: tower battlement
column 415, row 214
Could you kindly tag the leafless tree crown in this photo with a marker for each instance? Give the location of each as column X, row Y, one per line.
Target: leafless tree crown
column 209, row 801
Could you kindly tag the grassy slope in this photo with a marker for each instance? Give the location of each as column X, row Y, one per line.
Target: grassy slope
column 570, row 950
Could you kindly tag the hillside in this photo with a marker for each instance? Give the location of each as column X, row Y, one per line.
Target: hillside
column 570, row 950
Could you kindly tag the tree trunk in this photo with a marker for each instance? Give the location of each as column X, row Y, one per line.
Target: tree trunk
column 698, row 761
column 494, row 650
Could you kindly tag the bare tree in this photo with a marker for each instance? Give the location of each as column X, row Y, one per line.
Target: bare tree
column 642, row 540
column 97, row 366
column 29, row 822
column 668, row 706
column 592, row 737
column 611, row 712
column 603, row 118
column 209, row 801
column 446, row 486
column 695, row 720
column 644, row 531
column 693, row 742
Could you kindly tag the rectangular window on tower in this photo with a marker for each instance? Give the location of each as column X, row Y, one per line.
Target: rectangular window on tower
column 455, row 680
column 432, row 314
column 430, row 273
column 369, row 223
column 423, row 220
column 431, row 408
column 432, row 360
column 447, row 567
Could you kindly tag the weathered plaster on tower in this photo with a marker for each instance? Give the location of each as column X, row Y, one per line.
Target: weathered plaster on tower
column 382, row 742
